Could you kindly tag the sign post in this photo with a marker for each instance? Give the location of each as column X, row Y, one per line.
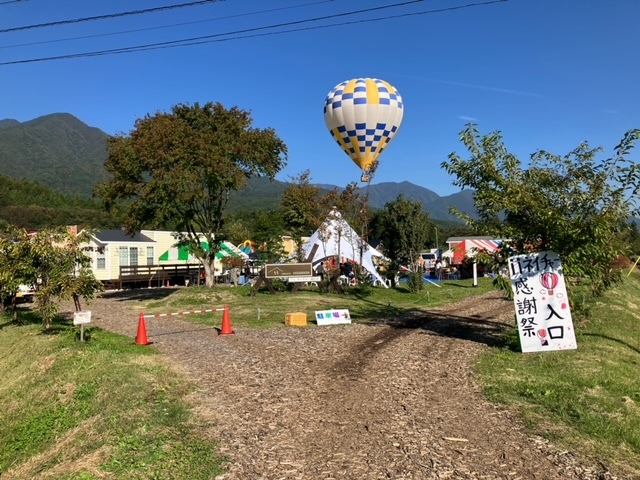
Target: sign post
column 81, row 318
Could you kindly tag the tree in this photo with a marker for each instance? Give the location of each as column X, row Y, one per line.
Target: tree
column 51, row 260
column 267, row 234
column 61, row 270
column 305, row 208
column 574, row 205
column 178, row 169
column 404, row 230
column 301, row 207
column 14, row 270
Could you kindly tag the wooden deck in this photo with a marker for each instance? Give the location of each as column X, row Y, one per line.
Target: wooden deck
column 154, row 275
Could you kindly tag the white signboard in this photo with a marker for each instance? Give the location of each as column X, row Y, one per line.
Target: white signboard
column 332, row 317
column 81, row 318
column 303, row 279
column 541, row 302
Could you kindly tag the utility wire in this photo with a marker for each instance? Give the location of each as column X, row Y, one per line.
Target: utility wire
column 213, row 38
column 169, row 43
column 110, row 15
column 11, row 1
column 259, row 12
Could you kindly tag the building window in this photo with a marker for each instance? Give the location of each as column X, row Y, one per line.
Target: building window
column 150, row 257
column 101, row 260
column 133, row 256
column 124, row 256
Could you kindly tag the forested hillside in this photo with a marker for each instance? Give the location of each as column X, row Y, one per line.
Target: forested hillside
column 62, row 153
column 57, row 150
column 30, row 205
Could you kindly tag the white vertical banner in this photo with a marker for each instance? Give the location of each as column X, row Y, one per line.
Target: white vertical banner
column 541, row 302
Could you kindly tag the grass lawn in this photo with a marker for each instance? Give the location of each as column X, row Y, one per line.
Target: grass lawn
column 105, row 408
column 587, row 398
column 269, row 310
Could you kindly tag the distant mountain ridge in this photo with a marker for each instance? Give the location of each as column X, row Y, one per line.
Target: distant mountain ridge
column 63, row 153
column 264, row 195
column 58, row 151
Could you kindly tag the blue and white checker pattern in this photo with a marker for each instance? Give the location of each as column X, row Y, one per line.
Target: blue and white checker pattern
column 363, row 115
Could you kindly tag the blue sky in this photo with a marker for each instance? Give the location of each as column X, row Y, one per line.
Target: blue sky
column 549, row 74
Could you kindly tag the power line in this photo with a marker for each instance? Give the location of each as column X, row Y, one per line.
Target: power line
column 176, row 42
column 110, row 15
column 11, row 1
column 84, row 37
column 213, row 38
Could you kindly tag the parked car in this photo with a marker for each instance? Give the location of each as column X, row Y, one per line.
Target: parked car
column 25, row 293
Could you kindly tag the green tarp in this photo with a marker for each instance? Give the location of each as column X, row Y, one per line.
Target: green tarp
column 177, row 254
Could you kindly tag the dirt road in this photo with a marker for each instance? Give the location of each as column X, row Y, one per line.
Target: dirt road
column 394, row 401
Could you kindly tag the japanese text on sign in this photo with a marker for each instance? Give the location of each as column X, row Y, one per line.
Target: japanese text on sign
column 541, row 302
column 332, row 317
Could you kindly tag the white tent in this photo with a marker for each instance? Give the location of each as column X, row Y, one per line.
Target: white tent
column 335, row 238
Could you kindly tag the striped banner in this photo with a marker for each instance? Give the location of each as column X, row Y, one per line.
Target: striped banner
column 214, row 310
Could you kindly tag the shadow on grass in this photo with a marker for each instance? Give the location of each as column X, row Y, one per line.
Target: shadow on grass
column 480, row 328
column 613, row 339
column 25, row 317
column 154, row 293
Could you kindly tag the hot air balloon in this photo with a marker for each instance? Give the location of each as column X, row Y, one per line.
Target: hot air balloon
column 549, row 280
column 363, row 115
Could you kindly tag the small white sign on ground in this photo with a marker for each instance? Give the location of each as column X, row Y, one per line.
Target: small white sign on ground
column 303, row 279
column 333, row 317
column 541, row 302
column 81, row 318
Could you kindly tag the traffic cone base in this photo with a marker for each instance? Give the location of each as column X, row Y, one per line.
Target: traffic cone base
column 226, row 322
column 141, row 338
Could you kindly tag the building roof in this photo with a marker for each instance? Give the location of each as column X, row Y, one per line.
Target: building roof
column 108, row 236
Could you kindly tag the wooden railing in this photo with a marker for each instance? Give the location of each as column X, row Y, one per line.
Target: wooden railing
column 156, row 273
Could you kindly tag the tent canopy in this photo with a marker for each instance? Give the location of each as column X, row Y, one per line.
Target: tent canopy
column 335, row 238
column 470, row 247
column 183, row 253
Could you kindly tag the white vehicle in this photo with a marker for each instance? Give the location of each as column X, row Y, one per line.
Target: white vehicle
column 25, row 293
column 430, row 258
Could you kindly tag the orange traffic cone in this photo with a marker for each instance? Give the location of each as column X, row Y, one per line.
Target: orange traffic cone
column 226, row 322
column 141, row 338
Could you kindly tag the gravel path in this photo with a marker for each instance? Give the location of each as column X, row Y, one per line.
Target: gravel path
column 393, row 401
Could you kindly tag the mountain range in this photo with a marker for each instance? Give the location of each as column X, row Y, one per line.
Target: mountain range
column 63, row 153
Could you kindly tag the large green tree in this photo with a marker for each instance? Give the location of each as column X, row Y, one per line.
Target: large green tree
column 404, row 230
column 177, row 169
column 576, row 205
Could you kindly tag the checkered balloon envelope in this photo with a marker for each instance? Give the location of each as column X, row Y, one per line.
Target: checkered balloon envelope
column 363, row 115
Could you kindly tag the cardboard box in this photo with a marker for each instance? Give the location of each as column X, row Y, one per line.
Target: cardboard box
column 296, row 319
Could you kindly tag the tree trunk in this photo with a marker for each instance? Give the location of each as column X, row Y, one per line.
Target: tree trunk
column 14, row 309
column 209, row 272
column 76, row 302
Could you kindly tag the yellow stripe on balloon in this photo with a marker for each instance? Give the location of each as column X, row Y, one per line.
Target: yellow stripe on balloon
column 389, row 87
column 373, row 97
column 349, row 87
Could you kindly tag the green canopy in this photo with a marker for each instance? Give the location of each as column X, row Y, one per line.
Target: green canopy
column 183, row 253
